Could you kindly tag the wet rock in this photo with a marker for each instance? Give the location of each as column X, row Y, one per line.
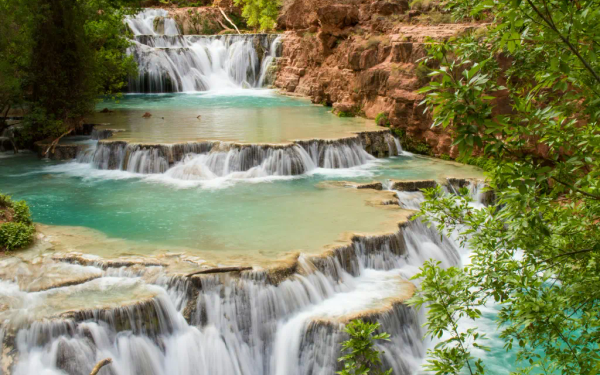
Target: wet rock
column 413, row 185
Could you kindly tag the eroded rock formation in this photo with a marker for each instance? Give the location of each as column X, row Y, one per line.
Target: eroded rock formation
column 361, row 58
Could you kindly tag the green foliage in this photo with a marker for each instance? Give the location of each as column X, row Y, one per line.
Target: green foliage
column 446, row 293
column 62, row 54
column 261, row 14
column 445, row 157
column 21, row 213
column 411, row 145
column 382, row 119
column 345, row 114
column 487, row 164
column 15, row 235
column 18, row 229
column 362, row 357
column 536, row 251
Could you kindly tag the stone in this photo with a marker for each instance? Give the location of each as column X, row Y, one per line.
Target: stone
column 402, row 52
column 413, row 185
column 333, row 18
column 389, row 7
column 368, row 59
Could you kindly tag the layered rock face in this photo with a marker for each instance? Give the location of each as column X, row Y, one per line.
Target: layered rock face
column 361, row 57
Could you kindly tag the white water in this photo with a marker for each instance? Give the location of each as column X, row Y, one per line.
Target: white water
column 248, row 326
column 206, row 161
column 171, row 62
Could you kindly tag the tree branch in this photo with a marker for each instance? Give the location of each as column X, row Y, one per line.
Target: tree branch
column 99, row 365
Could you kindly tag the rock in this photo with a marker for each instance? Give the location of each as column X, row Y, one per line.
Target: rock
column 106, row 110
column 413, row 13
column 147, row 115
column 389, row 7
column 413, row 185
column 343, row 63
column 368, row 59
column 402, row 52
column 333, row 18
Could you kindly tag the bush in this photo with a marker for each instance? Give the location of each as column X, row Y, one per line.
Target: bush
column 21, row 213
column 382, row 119
column 362, row 358
column 15, row 235
column 5, row 201
column 345, row 114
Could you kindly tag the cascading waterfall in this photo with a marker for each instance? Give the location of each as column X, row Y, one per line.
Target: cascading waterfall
column 171, row 62
column 249, row 324
column 210, row 160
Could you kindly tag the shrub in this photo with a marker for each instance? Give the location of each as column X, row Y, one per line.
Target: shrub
column 5, row 201
column 445, row 157
column 15, row 235
column 21, row 213
column 345, row 114
column 362, row 358
column 382, row 119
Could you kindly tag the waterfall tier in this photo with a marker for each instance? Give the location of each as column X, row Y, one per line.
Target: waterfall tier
column 208, row 160
column 171, row 62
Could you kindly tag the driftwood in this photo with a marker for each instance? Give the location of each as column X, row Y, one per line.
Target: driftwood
column 55, row 142
column 219, row 270
column 228, row 20
column 99, row 365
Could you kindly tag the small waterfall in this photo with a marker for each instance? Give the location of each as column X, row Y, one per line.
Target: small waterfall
column 208, row 160
column 171, row 62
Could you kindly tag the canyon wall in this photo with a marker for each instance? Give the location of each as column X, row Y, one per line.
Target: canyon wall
column 361, row 58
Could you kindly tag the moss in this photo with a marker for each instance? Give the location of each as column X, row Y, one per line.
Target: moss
column 411, row 145
column 382, row 119
column 445, row 157
column 345, row 114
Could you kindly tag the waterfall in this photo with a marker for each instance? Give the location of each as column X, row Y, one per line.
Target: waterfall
column 213, row 159
column 256, row 323
column 171, row 62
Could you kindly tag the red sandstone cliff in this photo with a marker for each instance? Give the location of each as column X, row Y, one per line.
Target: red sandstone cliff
column 360, row 57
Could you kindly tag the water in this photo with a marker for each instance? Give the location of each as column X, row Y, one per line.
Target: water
column 235, row 325
column 201, row 184
column 170, row 62
column 260, row 216
column 246, row 116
